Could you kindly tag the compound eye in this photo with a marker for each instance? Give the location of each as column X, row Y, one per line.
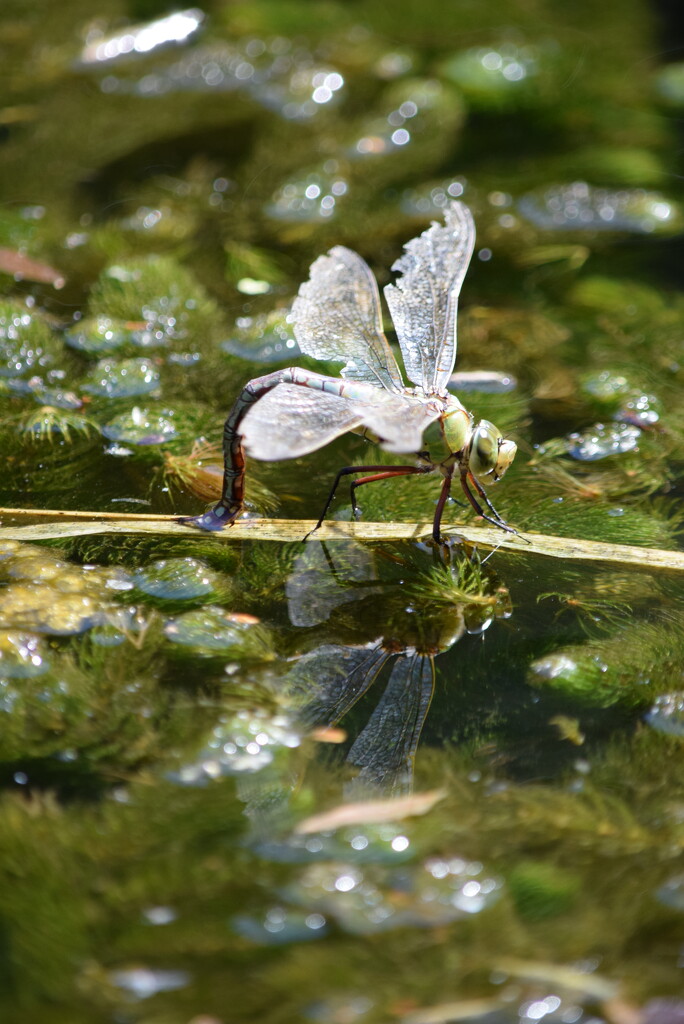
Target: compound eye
column 484, row 449
column 507, row 450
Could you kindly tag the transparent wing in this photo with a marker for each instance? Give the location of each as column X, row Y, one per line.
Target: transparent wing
column 325, row 684
column 291, row 421
column 423, row 300
column 398, row 420
column 337, row 316
column 386, row 748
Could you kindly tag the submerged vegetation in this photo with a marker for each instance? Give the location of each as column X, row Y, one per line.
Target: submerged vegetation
column 177, row 712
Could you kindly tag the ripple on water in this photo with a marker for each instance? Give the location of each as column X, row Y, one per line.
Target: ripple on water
column 27, row 346
column 47, row 595
column 282, row 76
column 214, row 632
column 368, row 844
column 580, row 206
column 102, row 334
column 144, row 982
column 280, row 925
column 22, row 655
column 262, row 339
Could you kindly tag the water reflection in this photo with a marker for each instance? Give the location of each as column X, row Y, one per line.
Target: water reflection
column 385, row 612
column 361, row 615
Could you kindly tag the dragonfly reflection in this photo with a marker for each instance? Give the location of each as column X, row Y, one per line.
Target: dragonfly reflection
column 326, row 683
column 336, row 316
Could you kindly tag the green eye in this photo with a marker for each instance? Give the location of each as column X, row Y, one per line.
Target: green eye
column 505, row 456
column 484, row 448
column 489, row 452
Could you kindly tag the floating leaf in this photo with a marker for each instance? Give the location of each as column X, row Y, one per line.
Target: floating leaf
column 53, row 525
column 22, row 267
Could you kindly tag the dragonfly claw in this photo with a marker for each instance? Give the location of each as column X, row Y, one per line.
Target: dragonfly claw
column 215, row 519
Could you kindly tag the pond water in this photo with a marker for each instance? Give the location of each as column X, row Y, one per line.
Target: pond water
column 346, row 781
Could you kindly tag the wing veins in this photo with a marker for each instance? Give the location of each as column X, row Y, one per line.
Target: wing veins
column 337, row 316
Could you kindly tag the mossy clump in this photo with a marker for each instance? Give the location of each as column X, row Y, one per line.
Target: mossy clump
column 160, row 295
column 28, row 346
column 629, row 668
column 179, row 583
column 540, row 889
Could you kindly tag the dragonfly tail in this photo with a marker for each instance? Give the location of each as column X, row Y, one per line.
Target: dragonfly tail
column 215, row 519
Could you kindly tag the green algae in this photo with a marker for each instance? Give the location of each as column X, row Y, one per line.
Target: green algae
column 158, row 292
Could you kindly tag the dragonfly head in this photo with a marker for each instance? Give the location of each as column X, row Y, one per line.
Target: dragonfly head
column 489, row 454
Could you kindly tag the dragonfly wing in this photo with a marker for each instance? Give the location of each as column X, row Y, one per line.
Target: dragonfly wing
column 423, row 300
column 398, row 420
column 325, row 684
column 337, row 316
column 386, row 748
column 315, row 589
column 291, row 420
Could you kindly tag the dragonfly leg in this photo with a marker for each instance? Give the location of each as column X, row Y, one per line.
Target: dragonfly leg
column 382, row 471
column 483, row 494
column 443, row 495
column 498, row 521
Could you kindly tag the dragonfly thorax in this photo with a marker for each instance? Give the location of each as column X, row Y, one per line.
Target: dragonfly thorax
column 457, row 424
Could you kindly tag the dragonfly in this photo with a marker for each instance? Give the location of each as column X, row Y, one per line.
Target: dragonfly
column 337, row 317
